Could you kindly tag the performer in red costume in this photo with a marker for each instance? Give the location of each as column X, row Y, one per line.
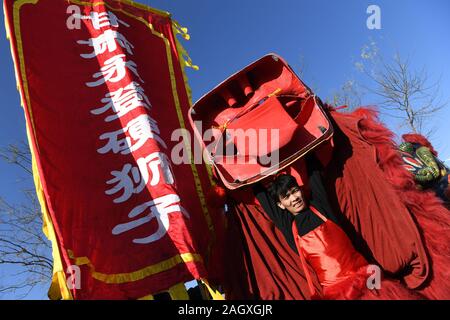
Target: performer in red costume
column 392, row 224
column 389, row 221
column 313, row 232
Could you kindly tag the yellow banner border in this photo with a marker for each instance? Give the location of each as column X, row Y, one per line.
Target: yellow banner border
column 59, row 281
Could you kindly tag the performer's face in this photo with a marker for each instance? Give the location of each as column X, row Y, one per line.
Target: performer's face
column 293, row 201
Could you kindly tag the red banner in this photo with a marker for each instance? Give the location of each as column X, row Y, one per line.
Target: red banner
column 103, row 89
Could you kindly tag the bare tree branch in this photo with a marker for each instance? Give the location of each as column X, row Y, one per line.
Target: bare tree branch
column 350, row 95
column 22, row 242
column 406, row 93
column 17, row 155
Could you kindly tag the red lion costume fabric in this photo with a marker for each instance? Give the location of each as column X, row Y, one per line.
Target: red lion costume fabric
column 402, row 229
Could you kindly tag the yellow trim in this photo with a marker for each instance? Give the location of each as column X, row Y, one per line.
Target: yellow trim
column 140, row 274
column 148, row 297
column 180, row 49
column 186, row 139
column 16, row 18
column 184, row 56
column 276, row 92
column 158, row 34
column 215, row 294
column 59, row 279
column 182, row 65
column 8, row 36
column 176, row 29
column 58, row 288
column 178, row 292
column 128, row 2
column 180, row 30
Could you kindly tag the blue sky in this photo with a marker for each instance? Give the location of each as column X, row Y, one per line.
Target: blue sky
column 322, row 39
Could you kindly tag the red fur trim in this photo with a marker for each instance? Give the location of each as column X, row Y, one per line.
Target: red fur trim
column 432, row 218
column 418, row 138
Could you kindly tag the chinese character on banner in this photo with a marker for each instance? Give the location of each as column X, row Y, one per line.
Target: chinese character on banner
column 123, row 100
column 100, row 117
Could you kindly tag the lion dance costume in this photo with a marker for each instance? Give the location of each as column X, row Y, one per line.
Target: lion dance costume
column 387, row 219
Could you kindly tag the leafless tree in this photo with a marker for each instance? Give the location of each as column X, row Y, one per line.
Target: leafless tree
column 23, row 245
column 407, row 94
column 350, row 94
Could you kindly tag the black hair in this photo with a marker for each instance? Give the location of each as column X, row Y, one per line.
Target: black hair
column 281, row 185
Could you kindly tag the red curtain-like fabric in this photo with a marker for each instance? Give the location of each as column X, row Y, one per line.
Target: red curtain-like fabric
column 391, row 223
column 371, row 211
column 431, row 216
